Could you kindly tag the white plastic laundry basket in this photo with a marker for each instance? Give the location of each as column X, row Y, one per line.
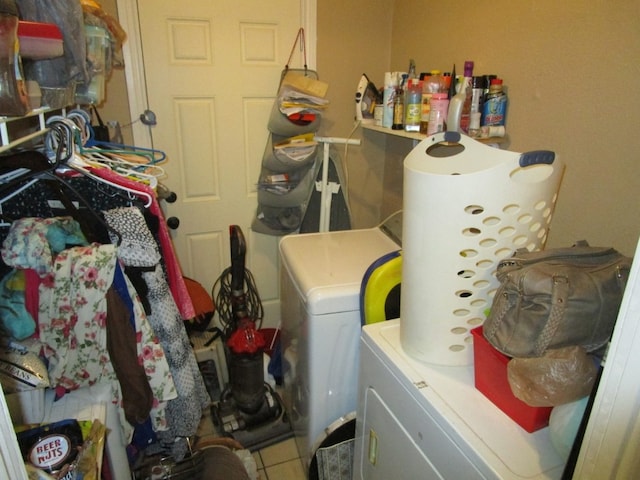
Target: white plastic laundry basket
column 466, row 206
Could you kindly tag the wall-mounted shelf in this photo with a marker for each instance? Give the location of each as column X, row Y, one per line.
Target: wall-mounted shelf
column 417, row 137
column 15, row 131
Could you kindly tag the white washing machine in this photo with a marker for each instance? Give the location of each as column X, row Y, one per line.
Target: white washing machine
column 320, row 280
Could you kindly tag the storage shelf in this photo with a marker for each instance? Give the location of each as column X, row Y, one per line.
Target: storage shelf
column 27, row 128
column 419, row 136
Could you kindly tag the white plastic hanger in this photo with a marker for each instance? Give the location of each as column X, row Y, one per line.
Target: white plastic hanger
column 61, row 144
column 79, row 164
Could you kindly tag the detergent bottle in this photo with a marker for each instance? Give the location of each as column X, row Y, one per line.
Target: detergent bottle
column 495, row 106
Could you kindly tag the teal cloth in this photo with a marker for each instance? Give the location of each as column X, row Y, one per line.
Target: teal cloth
column 16, row 320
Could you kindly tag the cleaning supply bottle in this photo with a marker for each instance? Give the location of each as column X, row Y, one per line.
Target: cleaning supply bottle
column 412, row 70
column 438, row 113
column 398, row 109
column 495, row 106
column 477, row 93
column 388, row 96
column 477, row 99
column 432, row 83
column 465, row 116
column 413, row 105
column 446, row 78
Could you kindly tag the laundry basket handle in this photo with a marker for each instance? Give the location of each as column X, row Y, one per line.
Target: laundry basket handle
column 536, row 157
column 452, row 136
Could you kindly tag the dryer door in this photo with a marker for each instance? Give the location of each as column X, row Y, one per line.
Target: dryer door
column 388, row 450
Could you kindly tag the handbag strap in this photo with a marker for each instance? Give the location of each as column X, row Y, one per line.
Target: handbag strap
column 95, row 110
column 497, row 316
column 303, row 48
column 559, row 298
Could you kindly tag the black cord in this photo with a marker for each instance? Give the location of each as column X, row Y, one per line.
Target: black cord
column 224, row 300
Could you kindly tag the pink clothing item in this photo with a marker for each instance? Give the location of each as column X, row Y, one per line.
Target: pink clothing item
column 31, row 295
column 174, row 272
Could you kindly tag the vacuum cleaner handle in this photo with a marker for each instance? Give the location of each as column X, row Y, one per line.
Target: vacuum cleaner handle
column 238, row 252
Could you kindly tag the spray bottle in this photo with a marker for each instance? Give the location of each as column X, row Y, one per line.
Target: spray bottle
column 388, row 95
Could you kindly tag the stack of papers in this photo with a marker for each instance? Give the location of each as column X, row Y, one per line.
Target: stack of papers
column 296, row 148
column 301, row 94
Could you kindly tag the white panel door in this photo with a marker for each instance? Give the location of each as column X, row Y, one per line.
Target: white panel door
column 212, row 70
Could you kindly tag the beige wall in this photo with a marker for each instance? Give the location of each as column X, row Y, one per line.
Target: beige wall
column 572, row 71
column 116, row 104
column 354, row 38
column 571, row 68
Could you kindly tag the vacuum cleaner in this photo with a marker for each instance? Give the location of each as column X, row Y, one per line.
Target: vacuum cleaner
column 249, row 410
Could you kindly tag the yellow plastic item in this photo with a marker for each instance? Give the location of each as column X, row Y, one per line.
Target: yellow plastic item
column 379, row 280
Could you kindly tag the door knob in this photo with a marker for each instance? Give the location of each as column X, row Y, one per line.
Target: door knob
column 165, row 194
column 173, row 222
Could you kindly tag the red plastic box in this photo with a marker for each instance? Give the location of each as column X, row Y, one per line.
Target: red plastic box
column 39, row 40
column 490, row 369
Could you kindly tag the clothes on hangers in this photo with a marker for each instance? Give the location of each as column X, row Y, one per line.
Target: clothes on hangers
column 115, row 191
column 173, row 270
column 43, row 239
column 72, row 317
column 90, row 321
column 149, row 352
column 185, row 411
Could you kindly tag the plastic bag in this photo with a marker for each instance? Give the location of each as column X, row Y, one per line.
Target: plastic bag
column 95, row 15
column 564, row 423
column 68, row 16
column 13, row 92
column 560, row 376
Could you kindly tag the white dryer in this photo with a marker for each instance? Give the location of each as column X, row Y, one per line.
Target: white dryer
column 320, row 279
column 426, row 421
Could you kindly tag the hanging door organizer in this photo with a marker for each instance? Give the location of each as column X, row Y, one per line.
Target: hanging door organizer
column 291, row 161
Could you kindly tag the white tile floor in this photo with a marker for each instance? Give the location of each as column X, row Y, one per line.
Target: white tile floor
column 275, row 462
column 280, row 462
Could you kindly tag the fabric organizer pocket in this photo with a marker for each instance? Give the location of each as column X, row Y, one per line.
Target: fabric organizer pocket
column 287, row 154
column 281, row 124
column 285, row 189
column 278, row 220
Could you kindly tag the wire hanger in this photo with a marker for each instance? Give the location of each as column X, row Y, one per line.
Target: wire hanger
column 60, row 144
column 147, row 173
column 88, row 142
column 78, row 164
column 41, row 167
